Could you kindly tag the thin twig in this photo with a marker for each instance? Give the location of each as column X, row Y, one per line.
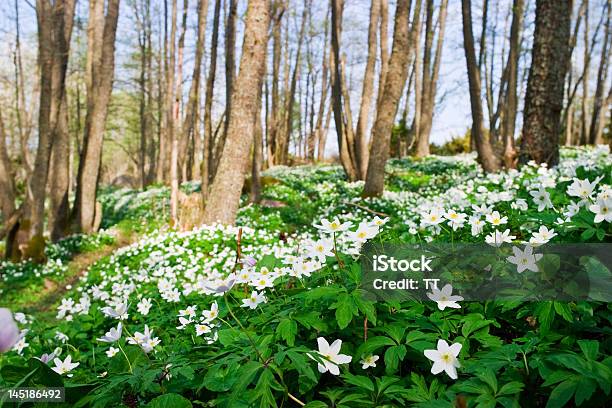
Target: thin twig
column 365, row 209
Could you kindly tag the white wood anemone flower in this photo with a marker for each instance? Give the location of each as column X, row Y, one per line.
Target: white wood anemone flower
column 445, row 358
column 330, row 356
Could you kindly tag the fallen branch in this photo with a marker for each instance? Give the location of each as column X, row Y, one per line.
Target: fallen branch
column 365, row 209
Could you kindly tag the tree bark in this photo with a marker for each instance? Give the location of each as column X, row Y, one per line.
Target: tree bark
column 101, row 73
column 176, row 121
column 7, row 184
column 338, row 93
column 486, row 156
column 208, row 141
column 430, row 75
column 511, row 104
column 596, row 128
column 393, row 87
column 25, row 240
column 361, row 139
column 544, row 98
column 224, row 200
column 190, row 123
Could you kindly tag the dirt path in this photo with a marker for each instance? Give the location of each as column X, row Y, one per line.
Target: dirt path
column 39, row 300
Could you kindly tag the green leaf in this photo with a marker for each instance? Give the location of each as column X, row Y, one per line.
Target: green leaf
column 561, row 394
column 587, row 234
column 287, row 330
column 373, row 344
column 564, row 310
column 364, row 306
column 513, row 387
column 345, row 310
column 584, row 390
column 488, row 376
column 169, row 401
column 472, row 323
column 545, row 314
column 590, row 348
column 301, row 364
column 393, row 356
column 359, row 381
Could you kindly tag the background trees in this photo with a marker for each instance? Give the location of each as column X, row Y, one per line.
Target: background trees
column 137, row 92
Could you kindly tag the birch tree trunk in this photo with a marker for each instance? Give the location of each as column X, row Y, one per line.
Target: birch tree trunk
column 544, row 98
column 393, row 87
column 224, row 200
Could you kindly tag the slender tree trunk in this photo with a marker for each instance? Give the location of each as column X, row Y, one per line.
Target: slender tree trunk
column 393, row 87
column 59, row 207
column 338, row 93
column 288, row 130
column 511, row 104
column 384, row 48
column 190, row 123
column 176, row 121
column 584, row 120
column 361, row 139
column 230, row 74
column 486, row 156
column 102, row 64
column 596, row 128
column 7, row 184
column 246, row 96
column 430, row 76
column 208, row 142
column 544, row 99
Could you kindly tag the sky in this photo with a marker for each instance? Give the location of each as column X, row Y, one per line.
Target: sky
column 452, row 116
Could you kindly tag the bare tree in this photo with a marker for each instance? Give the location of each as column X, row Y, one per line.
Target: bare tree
column 190, row 123
column 511, row 98
column 486, row 156
column 431, row 71
column 100, row 64
column 246, row 95
column 544, row 98
column 25, row 236
column 340, row 103
column 208, row 143
column 596, row 128
column 393, row 87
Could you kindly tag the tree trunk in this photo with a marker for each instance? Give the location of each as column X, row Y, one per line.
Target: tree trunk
column 101, row 78
column 338, row 93
column 361, row 139
column 7, row 184
column 596, row 128
column 225, row 191
column 55, row 21
column 190, row 123
column 584, row 119
column 384, row 48
column 230, row 74
column 430, row 76
column 486, row 156
column 544, row 98
column 511, row 104
column 176, row 121
column 210, row 85
column 393, row 87
column 59, row 208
